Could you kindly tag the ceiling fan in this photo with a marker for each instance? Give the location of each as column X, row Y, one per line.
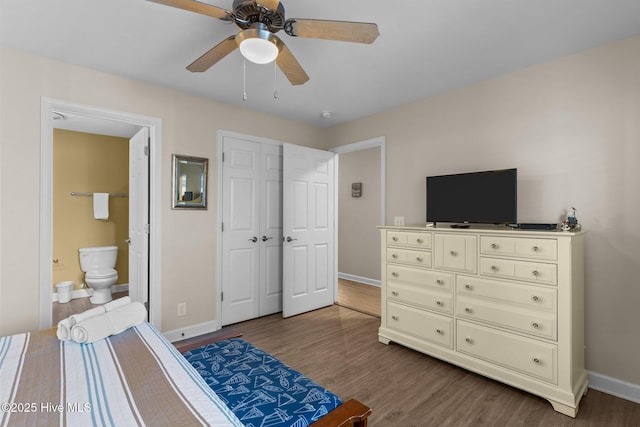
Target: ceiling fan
column 259, row 20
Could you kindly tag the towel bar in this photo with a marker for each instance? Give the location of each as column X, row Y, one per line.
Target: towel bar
column 74, row 193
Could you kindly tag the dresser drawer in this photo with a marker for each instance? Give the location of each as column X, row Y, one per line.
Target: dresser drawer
column 416, row 295
column 408, row 256
column 455, row 252
column 433, row 279
column 536, row 297
column 407, row 238
column 524, row 247
column 422, row 324
column 534, row 322
column 519, row 270
column 531, row 357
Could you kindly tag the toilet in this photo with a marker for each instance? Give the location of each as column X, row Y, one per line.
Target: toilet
column 98, row 264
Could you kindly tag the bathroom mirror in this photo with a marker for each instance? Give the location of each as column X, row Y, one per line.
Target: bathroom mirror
column 189, row 182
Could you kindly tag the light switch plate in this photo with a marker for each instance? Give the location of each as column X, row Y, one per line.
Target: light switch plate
column 398, row 220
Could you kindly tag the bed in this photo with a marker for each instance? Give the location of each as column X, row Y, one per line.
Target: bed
column 133, row 378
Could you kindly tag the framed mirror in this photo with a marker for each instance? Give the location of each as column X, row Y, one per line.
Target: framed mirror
column 189, row 182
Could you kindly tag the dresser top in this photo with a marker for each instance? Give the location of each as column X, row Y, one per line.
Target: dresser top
column 489, row 229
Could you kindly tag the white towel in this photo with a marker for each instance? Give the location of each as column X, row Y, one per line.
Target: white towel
column 79, row 317
column 101, row 205
column 112, row 305
column 64, row 329
column 110, row 323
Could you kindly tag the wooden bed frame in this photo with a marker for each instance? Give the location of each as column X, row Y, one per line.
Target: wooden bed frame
column 352, row 413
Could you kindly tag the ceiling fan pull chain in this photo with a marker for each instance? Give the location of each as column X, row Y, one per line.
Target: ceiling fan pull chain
column 244, row 79
column 275, row 80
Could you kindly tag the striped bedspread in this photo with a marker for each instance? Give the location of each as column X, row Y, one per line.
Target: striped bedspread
column 134, row 378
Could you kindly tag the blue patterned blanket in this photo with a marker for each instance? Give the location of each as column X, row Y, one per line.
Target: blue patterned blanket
column 261, row 390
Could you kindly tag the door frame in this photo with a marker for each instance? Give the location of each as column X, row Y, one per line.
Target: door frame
column 219, row 209
column 379, row 141
column 47, row 108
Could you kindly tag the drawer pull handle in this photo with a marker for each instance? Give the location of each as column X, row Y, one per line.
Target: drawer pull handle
column 453, row 253
column 468, row 340
column 439, row 303
column 394, row 317
column 394, row 238
column 395, row 256
column 535, row 273
column 468, row 287
column 419, row 241
column 395, row 274
column 440, row 331
column 494, row 246
column 536, row 361
column 494, row 268
column 535, row 249
column 394, row 293
column 440, row 282
column 535, row 298
column 468, row 310
column 419, row 259
column 535, row 325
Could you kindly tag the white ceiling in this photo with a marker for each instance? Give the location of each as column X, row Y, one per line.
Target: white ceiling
column 425, row 47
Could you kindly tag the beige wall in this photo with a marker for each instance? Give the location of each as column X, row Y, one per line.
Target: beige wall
column 358, row 237
column 84, row 162
column 190, row 126
column 572, row 128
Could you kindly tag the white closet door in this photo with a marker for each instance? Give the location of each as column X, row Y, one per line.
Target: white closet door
column 241, row 235
column 271, row 230
column 139, row 216
column 308, row 227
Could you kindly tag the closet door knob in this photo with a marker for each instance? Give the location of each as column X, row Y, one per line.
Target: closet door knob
column 265, row 238
column 289, row 239
column 127, row 241
column 253, row 239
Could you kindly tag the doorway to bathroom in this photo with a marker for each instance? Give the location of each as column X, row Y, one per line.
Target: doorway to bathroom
column 135, row 205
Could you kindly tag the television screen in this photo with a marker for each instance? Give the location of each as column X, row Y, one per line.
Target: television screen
column 480, row 197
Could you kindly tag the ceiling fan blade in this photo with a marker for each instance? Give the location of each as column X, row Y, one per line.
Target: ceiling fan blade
column 198, row 7
column 213, row 55
column 357, row 32
column 290, row 66
column 269, row 4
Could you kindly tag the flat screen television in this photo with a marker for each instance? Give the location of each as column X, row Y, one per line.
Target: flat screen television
column 489, row 197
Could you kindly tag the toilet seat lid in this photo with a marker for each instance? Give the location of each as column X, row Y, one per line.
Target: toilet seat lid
column 101, row 274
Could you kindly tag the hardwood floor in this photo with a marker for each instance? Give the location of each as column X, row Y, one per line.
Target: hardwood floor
column 78, row 305
column 338, row 348
column 360, row 297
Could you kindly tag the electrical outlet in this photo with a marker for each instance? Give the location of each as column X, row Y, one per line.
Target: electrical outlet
column 182, row 309
column 398, row 220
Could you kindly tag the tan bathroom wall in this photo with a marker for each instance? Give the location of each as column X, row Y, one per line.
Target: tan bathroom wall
column 90, row 163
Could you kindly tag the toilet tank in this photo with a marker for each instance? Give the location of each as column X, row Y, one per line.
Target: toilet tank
column 99, row 257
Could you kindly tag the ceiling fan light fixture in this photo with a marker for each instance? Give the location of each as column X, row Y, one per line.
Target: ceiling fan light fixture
column 258, row 45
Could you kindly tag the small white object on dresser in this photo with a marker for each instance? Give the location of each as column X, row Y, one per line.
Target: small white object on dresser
column 507, row 304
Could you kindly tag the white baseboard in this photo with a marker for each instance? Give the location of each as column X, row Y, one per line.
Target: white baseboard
column 192, row 331
column 87, row 292
column 614, row 387
column 359, row 279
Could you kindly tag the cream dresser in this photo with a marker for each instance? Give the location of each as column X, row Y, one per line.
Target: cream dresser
column 503, row 303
